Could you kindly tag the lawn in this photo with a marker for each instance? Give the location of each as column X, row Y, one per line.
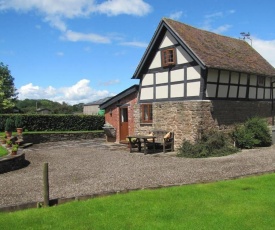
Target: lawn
column 3, row 151
column 247, row 203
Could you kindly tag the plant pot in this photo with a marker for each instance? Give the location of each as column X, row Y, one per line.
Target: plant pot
column 9, row 145
column 13, row 153
column 19, row 130
column 8, row 134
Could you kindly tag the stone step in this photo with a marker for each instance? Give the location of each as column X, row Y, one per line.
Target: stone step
column 26, row 145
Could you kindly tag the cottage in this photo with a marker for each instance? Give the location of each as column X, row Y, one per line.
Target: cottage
column 119, row 113
column 193, row 80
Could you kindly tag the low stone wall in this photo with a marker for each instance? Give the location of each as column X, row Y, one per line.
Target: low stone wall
column 10, row 163
column 53, row 137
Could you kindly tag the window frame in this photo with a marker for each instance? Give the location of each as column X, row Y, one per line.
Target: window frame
column 260, row 80
column 150, row 113
column 165, row 59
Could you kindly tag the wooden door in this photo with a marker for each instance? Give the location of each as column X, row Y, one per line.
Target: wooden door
column 123, row 124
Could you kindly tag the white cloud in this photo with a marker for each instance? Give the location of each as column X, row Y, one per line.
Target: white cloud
column 80, row 92
column 136, row 44
column 76, row 36
column 176, row 15
column 131, row 7
column 55, row 12
column 210, row 19
column 221, row 29
column 265, row 48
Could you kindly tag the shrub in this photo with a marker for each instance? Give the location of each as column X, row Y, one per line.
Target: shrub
column 253, row 133
column 211, row 144
column 19, row 121
column 9, row 124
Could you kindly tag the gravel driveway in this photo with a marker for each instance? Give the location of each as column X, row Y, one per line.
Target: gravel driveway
column 93, row 166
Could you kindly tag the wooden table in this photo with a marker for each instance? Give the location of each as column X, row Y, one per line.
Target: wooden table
column 138, row 140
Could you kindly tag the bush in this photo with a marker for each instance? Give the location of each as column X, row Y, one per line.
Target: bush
column 212, row 144
column 253, row 133
column 9, row 124
column 56, row 122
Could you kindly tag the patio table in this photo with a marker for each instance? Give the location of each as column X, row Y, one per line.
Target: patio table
column 138, row 140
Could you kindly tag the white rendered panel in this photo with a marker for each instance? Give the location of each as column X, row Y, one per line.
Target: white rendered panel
column 260, row 94
column 253, row 80
column 267, row 93
column 233, row 91
column 252, row 93
column 177, row 75
column 161, row 77
column 242, row 92
column 148, row 79
column 162, row 92
column 177, row 90
column 183, row 56
column 212, row 75
column 156, row 63
column 224, row 77
column 211, row 90
column 243, row 79
column 193, row 72
column 168, row 40
column 146, row 93
column 267, row 82
column 234, row 78
column 193, row 89
column 222, row 91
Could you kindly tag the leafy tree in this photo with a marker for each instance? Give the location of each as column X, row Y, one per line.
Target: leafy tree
column 8, row 93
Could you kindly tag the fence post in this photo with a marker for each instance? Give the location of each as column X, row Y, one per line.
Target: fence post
column 46, row 184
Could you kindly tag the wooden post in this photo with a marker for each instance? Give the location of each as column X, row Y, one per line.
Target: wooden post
column 46, row 184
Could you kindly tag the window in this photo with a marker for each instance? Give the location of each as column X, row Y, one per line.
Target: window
column 168, row 57
column 261, row 81
column 146, row 113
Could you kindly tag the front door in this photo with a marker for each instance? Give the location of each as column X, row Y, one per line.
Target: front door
column 123, row 124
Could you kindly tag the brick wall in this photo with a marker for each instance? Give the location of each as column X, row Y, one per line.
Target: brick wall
column 187, row 119
column 112, row 114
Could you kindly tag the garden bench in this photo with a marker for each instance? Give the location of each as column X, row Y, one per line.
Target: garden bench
column 164, row 138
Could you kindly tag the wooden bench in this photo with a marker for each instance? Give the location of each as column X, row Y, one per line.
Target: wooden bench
column 164, row 138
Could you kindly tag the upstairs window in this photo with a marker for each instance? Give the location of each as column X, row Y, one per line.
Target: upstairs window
column 261, row 81
column 168, row 57
column 146, row 113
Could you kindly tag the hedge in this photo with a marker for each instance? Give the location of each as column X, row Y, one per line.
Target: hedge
column 56, row 122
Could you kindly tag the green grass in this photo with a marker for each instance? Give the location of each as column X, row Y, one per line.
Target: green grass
column 3, row 151
column 247, row 203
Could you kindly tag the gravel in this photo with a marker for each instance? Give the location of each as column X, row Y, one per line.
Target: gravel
column 94, row 166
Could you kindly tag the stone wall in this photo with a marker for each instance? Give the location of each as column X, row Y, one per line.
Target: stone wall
column 187, row 119
column 10, row 163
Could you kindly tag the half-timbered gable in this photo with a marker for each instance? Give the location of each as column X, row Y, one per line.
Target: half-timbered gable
column 192, row 80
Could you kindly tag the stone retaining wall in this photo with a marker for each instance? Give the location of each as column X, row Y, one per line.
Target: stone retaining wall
column 10, row 163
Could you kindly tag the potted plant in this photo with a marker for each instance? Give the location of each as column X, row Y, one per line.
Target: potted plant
column 9, row 126
column 8, row 143
column 4, row 140
column 19, row 124
column 14, row 149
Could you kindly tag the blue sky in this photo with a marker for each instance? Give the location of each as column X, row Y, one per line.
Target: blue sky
column 78, row 51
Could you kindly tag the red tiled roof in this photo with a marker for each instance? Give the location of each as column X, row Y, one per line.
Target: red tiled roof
column 217, row 51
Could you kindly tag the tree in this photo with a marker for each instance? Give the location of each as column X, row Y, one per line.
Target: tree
column 8, row 93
